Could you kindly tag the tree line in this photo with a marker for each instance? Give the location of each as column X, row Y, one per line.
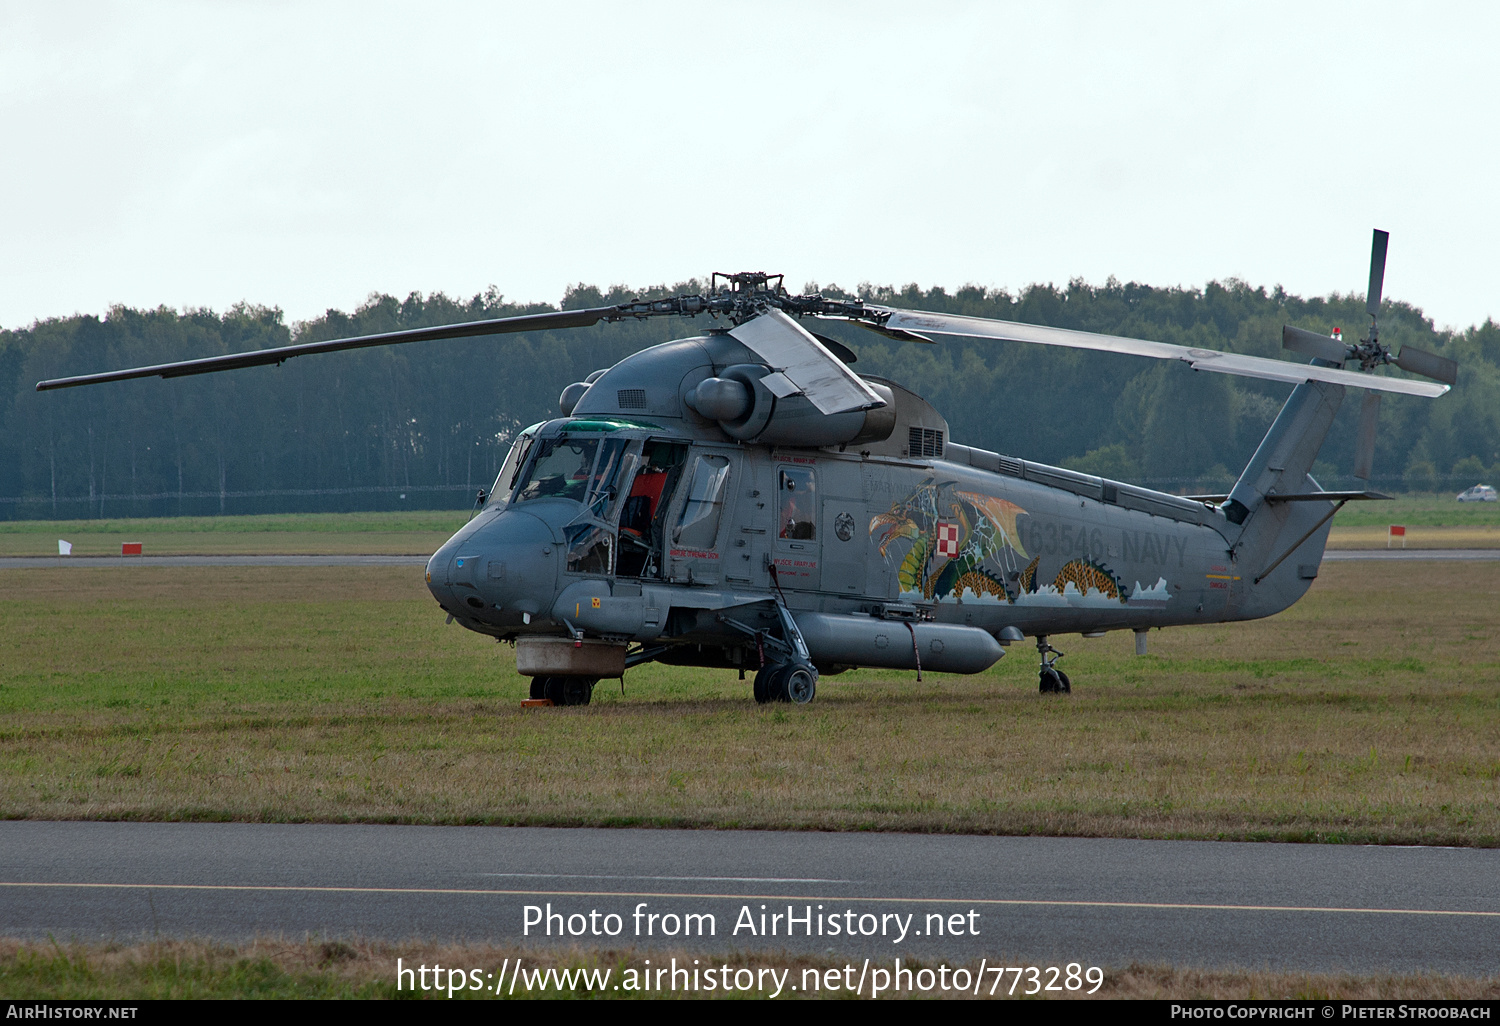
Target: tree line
column 426, row 425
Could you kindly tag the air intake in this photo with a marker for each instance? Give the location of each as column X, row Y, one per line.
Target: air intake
column 632, row 398
column 925, row 442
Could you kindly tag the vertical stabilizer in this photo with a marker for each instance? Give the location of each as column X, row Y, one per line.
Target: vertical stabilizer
column 1285, row 456
column 1281, row 466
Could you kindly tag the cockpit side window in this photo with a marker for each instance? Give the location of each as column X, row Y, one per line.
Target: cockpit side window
column 559, row 468
column 612, row 471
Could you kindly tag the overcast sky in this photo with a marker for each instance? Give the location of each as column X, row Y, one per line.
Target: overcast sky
column 304, row 155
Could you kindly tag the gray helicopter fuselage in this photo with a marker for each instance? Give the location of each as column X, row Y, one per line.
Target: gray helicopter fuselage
column 662, row 514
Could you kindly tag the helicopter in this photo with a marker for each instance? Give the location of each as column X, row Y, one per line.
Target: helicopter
column 742, row 499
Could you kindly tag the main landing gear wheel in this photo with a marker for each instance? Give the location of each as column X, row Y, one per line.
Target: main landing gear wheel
column 786, row 682
column 566, row 690
column 1052, row 680
column 539, row 687
column 765, row 683
column 578, row 690
column 799, row 683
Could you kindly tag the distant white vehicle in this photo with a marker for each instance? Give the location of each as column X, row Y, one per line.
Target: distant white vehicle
column 1479, row 493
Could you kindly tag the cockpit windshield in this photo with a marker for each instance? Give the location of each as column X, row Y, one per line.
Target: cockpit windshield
column 510, row 470
column 559, row 468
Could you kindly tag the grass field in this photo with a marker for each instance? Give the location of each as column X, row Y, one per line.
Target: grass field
column 273, row 968
column 416, row 533
column 1434, row 522
column 1417, row 537
column 1366, row 713
column 1420, row 510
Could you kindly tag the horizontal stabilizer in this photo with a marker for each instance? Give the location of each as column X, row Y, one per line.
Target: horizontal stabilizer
column 1303, row 497
column 1327, row 497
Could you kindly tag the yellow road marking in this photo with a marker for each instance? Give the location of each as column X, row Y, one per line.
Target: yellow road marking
column 999, row 902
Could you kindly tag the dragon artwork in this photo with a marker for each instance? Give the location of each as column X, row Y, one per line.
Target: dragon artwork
column 963, row 542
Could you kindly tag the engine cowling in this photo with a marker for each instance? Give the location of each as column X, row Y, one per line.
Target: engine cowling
column 746, row 409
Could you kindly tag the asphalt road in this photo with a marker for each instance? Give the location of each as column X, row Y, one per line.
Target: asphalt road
column 1342, row 555
column 1033, row 899
column 96, row 562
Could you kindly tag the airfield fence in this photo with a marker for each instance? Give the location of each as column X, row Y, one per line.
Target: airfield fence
column 381, row 498
column 392, row 498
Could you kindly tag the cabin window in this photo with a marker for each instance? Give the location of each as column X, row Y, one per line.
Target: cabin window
column 591, row 549
column 559, row 469
column 798, row 504
column 699, row 524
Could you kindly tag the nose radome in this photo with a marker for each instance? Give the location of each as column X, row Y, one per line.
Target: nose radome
column 507, row 564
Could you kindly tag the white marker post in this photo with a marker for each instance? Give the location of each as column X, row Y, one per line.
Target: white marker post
column 64, row 548
column 1397, row 531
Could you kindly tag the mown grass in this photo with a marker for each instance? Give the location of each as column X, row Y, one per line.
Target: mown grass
column 1420, row 536
column 1422, row 510
column 300, row 523
column 417, row 532
column 274, row 968
column 1431, row 522
column 1366, row 713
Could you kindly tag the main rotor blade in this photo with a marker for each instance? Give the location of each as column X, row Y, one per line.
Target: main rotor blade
column 1324, row 347
column 1429, row 365
column 1377, row 271
column 1198, row 359
column 804, row 362
column 1364, row 445
column 262, row 357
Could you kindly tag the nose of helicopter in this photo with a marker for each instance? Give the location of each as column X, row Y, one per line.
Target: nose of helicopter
column 501, row 568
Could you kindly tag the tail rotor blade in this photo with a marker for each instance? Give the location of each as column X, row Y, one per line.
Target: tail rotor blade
column 1429, row 365
column 1377, row 271
column 1311, row 343
column 1364, row 446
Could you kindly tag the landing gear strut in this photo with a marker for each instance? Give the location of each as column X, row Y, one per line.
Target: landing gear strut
column 789, row 675
column 1053, row 680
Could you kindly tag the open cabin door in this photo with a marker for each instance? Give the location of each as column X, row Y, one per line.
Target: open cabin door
column 645, row 510
column 797, row 546
column 592, row 538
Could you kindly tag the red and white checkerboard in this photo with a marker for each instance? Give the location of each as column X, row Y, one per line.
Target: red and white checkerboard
column 947, row 539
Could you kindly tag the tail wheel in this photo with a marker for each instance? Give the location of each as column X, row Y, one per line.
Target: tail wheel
column 1064, row 686
column 1051, row 682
